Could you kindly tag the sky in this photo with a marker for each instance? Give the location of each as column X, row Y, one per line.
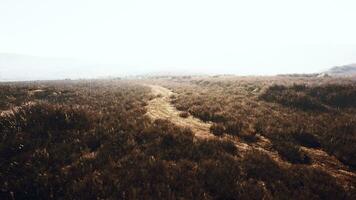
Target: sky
column 241, row 37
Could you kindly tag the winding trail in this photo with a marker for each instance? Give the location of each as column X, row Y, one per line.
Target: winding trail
column 161, row 108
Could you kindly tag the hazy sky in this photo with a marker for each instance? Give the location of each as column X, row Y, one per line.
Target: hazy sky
column 246, row 37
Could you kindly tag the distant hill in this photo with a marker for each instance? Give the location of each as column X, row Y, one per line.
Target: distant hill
column 172, row 72
column 17, row 67
column 346, row 70
column 14, row 67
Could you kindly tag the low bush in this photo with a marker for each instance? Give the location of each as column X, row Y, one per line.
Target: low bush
column 233, row 127
column 306, row 139
column 312, row 98
column 291, row 152
column 335, row 95
column 184, row 114
column 292, row 97
column 248, row 137
column 217, row 129
column 340, row 139
column 287, row 183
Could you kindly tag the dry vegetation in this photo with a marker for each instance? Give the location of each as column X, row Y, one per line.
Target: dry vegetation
column 95, row 140
column 300, row 117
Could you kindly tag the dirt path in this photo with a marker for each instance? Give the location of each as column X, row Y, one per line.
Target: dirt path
column 161, row 108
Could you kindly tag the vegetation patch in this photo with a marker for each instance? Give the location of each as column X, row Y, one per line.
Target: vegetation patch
column 93, row 140
column 312, row 98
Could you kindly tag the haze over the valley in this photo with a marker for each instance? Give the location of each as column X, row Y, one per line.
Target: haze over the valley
column 87, row 39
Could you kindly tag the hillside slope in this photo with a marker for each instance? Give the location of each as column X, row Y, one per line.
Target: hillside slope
column 346, row 70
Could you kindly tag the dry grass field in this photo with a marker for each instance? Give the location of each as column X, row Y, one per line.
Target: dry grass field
column 221, row 137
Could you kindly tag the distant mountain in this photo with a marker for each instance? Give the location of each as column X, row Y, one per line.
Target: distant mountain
column 346, row 70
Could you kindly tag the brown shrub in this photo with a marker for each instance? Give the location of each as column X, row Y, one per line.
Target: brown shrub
column 291, row 152
column 217, row 129
column 292, row 97
column 184, row 114
column 306, row 139
column 233, row 127
column 340, row 140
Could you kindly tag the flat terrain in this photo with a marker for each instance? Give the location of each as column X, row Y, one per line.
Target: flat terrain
column 191, row 137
